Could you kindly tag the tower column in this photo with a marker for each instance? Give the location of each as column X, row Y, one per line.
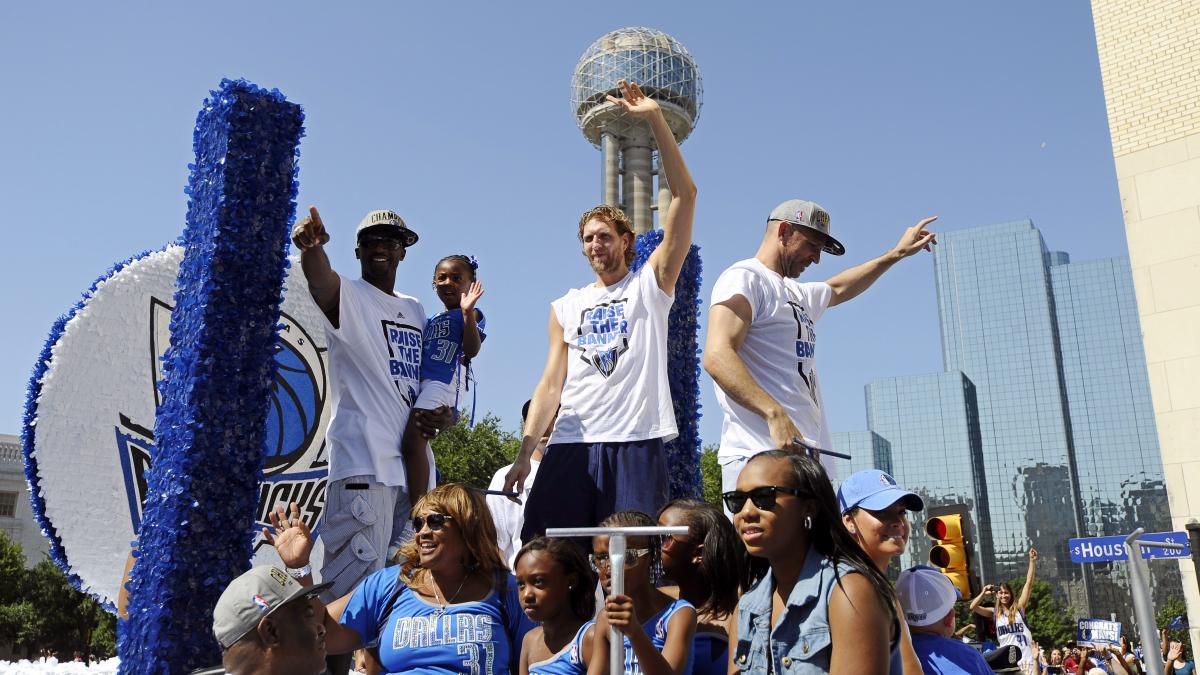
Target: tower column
column 664, row 192
column 610, row 169
column 638, row 183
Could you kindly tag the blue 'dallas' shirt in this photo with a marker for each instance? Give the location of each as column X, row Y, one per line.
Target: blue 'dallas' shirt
column 473, row 638
column 569, row 661
column 656, row 630
column 945, row 656
column 441, row 345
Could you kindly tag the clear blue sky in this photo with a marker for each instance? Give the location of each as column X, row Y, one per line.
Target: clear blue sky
column 456, row 115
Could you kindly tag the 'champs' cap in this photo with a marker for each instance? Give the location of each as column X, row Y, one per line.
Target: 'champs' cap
column 253, row 596
column 926, row 595
column 810, row 215
column 388, row 220
column 872, row 489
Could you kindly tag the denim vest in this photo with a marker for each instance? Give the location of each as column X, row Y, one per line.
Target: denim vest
column 800, row 644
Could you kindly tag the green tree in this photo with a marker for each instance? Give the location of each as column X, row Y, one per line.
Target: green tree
column 1170, row 609
column 710, row 475
column 1046, row 618
column 470, row 455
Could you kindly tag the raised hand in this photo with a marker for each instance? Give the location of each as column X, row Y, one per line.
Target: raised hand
column 309, row 231
column 916, row 239
column 292, row 539
column 633, row 100
column 1033, row 555
column 1175, row 652
column 467, row 300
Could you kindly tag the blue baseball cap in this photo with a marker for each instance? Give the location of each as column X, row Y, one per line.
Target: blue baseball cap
column 873, row 490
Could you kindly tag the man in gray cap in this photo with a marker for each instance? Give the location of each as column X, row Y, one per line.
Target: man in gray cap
column 374, row 336
column 761, row 345
column 267, row 623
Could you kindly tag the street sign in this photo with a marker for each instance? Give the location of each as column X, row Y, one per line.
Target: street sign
column 1104, row 549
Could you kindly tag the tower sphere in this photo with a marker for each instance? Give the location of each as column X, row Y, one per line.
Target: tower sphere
column 657, row 62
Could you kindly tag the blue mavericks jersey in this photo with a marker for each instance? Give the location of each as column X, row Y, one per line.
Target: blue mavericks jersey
column 569, row 661
column 710, row 654
column 441, row 350
column 474, row 638
column 656, row 630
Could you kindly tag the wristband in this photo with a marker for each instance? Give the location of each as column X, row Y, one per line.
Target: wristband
column 299, row 572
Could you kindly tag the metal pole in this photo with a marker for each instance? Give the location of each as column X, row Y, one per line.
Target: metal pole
column 616, row 558
column 1193, row 531
column 1143, row 604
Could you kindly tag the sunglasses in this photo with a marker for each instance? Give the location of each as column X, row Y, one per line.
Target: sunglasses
column 436, row 521
column 763, row 497
column 388, row 243
column 632, row 556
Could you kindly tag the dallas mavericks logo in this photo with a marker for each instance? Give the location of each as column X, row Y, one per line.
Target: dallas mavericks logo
column 603, row 335
column 295, row 461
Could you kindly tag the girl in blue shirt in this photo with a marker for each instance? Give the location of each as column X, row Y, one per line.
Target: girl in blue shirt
column 451, row 339
column 709, row 570
column 657, row 628
column 557, row 590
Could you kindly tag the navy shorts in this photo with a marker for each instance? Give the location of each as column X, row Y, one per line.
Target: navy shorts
column 581, row 484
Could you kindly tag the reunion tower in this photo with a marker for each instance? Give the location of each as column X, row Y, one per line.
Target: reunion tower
column 665, row 71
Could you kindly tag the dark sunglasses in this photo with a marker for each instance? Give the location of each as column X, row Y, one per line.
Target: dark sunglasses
column 763, row 497
column 436, row 521
column 388, row 243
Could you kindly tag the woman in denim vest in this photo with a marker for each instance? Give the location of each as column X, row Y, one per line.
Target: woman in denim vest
column 821, row 606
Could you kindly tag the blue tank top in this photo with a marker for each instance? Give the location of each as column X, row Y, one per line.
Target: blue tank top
column 441, row 345
column 416, row 636
column 656, row 629
column 710, row 654
column 569, row 661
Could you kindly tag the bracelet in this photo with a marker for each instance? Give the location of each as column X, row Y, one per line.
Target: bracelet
column 299, row 572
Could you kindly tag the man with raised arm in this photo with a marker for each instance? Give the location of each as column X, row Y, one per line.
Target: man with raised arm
column 374, row 336
column 607, row 364
column 761, row 345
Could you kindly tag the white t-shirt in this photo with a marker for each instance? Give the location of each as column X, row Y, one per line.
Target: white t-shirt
column 616, row 387
column 780, row 354
column 374, row 376
column 1015, row 634
column 508, row 515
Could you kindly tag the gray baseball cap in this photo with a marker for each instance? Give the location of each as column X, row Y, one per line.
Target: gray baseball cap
column 810, row 215
column 252, row 597
column 387, row 220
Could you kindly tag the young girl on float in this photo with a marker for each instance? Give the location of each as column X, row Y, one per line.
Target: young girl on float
column 875, row 513
column 557, row 590
column 708, row 568
column 657, row 628
column 452, row 338
column 1011, row 626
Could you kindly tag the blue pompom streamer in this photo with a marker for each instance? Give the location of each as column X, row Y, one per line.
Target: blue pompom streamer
column 202, row 488
column 683, row 367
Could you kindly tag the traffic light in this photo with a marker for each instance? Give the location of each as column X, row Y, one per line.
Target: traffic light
column 950, row 552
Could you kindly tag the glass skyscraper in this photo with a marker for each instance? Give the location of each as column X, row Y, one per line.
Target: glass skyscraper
column 1042, row 421
column 867, row 450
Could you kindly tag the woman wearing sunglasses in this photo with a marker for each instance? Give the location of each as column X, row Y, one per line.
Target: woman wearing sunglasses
column 658, row 629
column 821, row 606
column 450, row 605
column 875, row 512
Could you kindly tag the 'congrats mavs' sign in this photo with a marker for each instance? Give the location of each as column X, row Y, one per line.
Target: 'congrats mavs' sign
column 94, row 438
column 1096, row 632
column 1107, row 549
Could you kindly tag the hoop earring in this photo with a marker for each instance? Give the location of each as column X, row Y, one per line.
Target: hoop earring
column 808, row 522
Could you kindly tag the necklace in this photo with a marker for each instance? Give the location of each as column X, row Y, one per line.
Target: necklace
column 438, row 596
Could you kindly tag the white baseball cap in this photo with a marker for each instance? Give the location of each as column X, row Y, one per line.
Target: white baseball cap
column 925, row 594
